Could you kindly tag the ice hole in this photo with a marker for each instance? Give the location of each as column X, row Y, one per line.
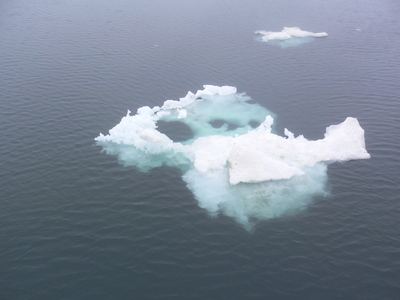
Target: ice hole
column 175, row 130
column 254, row 124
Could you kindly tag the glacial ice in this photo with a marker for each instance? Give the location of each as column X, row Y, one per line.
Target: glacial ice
column 289, row 36
column 234, row 163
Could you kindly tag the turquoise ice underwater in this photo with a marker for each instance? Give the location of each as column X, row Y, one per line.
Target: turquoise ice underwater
column 234, row 163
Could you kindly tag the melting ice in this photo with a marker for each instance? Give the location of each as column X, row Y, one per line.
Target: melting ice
column 289, row 36
column 234, row 163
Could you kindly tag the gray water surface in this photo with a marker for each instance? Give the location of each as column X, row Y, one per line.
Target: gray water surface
column 75, row 224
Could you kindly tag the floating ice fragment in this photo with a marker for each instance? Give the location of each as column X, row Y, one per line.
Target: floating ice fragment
column 289, row 36
column 244, row 172
column 288, row 33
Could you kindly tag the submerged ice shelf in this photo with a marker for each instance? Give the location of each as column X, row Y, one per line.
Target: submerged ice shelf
column 234, row 163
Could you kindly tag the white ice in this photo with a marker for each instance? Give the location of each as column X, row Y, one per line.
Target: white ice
column 289, row 36
column 244, row 171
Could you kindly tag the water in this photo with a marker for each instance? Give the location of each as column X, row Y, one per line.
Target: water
column 75, row 224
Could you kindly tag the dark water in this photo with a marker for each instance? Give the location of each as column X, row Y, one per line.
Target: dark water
column 74, row 224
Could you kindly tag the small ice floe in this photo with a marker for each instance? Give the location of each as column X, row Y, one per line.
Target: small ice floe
column 289, row 36
column 234, row 162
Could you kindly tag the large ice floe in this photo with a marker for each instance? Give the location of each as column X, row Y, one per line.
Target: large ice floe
column 289, row 36
column 234, row 163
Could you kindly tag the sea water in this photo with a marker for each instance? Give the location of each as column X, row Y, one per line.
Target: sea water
column 78, row 223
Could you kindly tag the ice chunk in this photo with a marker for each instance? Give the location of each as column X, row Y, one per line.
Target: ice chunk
column 182, row 114
column 248, row 164
column 221, row 90
column 288, row 33
column 289, row 36
column 244, row 172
